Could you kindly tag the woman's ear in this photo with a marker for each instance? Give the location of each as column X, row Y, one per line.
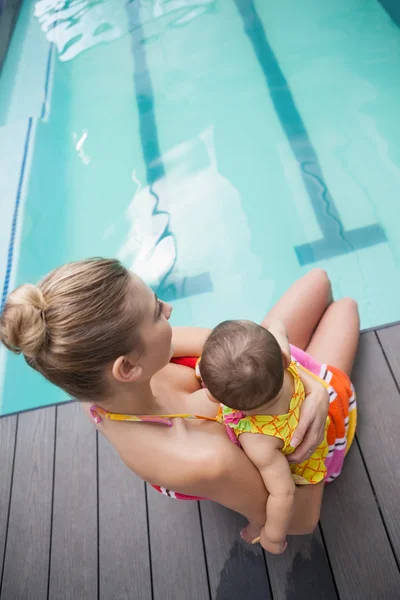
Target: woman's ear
column 285, row 358
column 125, row 370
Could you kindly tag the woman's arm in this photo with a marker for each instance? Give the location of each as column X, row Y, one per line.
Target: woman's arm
column 200, row 465
column 189, row 341
column 234, row 482
column 307, row 508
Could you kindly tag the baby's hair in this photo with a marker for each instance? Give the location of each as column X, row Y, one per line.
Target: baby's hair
column 242, row 365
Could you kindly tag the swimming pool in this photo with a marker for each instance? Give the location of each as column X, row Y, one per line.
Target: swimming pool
column 220, row 148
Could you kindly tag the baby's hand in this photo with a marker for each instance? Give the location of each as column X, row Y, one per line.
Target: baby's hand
column 274, row 547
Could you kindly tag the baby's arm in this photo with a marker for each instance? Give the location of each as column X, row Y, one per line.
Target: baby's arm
column 264, row 452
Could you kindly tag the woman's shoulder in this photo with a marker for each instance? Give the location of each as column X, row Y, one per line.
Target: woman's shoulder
column 175, row 377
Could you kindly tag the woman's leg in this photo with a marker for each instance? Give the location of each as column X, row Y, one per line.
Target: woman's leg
column 302, row 306
column 335, row 339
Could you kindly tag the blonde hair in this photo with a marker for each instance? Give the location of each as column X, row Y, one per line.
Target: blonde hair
column 242, row 365
column 74, row 323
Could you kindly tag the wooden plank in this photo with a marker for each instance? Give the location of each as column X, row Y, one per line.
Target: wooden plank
column 302, row 571
column 7, row 446
column 378, row 431
column 362, row 560
column 236, row 570
column 73, row 568
column 26, row 566
column 390, row 340
column 123, row 537
column 177, row 553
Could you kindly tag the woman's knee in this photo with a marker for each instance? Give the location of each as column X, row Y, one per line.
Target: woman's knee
column 320, row 275
column 320, row 278
column 348, row 304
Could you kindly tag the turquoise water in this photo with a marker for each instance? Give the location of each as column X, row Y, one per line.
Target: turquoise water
column 220, row 148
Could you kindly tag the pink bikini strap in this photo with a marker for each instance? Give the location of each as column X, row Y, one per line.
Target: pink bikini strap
column 94, row 414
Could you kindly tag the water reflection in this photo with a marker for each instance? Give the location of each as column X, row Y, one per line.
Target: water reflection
column 193, row 186
column 77, row 25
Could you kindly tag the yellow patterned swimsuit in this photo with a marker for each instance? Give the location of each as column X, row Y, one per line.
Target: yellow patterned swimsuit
column 312, row 470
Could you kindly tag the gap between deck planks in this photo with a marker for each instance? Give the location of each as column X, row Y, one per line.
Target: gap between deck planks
column 98, row 541
column 26, row 560
column 73, row 558
column 8, row 430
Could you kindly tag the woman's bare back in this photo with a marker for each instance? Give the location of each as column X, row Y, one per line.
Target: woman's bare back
column 178, row 391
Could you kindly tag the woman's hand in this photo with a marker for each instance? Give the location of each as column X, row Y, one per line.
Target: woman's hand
column 311, row 429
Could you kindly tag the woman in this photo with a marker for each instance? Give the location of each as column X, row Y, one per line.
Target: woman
column 98, row 332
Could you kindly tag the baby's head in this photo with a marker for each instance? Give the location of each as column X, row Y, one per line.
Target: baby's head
column 242, row 365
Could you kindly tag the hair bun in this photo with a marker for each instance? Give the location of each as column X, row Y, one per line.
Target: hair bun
column 22, row 325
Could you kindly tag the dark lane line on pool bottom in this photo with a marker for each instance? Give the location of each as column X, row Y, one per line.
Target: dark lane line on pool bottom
column 336, row 239
column 171, row 287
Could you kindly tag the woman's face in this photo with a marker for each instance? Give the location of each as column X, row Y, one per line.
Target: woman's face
column 155, row 331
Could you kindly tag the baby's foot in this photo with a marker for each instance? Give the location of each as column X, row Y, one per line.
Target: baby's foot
column 251, row 532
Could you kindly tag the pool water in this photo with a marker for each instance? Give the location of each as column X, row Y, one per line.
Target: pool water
column 220, row 148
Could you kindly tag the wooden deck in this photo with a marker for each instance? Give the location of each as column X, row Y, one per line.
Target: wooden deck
column 71, row 530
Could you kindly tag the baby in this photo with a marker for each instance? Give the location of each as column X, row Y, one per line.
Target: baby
column 248, row 369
